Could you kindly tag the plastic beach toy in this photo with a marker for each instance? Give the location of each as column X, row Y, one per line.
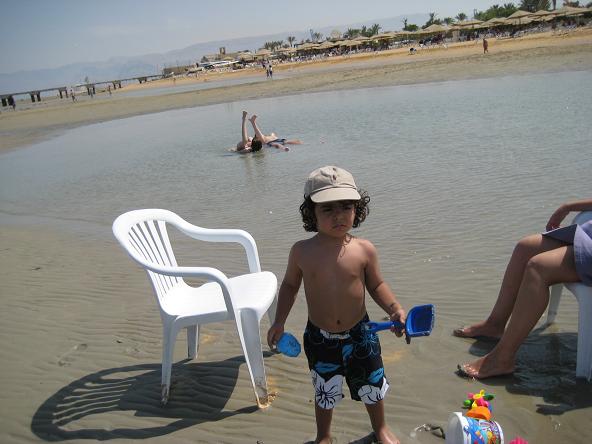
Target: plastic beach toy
column 289, row 345
column 420, row 322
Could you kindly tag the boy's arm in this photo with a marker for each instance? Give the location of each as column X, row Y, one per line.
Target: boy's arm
column 286, row 297
column 379, row 290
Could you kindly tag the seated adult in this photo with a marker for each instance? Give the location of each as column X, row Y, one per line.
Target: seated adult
column 538, row 261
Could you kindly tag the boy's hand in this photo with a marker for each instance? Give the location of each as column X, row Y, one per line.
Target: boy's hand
column 400, row 315
column 274, row 334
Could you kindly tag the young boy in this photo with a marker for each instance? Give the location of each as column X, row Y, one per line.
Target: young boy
column 337, row 268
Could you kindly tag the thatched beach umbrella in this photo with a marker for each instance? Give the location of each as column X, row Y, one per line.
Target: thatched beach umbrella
column 496, row 21
column 435, row 28
column 263, row 52
column 520, row 14
column 519, row 17
column 468, row 24
column 570, row 11
column 327, row 45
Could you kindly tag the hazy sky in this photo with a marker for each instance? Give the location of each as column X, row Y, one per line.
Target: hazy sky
column 45, row 34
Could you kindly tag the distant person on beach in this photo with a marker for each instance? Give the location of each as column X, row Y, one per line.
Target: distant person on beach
column 538, row 261
column 485, row 46
column 337, row 268
column 253, row 144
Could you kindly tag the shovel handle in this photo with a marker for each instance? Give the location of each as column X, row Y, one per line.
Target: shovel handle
column 373, row 327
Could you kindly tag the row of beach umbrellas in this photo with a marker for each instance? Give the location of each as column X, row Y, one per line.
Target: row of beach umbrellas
column 519, row 17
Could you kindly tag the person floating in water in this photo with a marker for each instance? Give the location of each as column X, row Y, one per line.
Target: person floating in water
column 253, row 144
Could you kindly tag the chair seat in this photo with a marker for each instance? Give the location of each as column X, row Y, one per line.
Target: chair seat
column 253, row 290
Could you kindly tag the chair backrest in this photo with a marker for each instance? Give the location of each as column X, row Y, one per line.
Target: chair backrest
column 143, row 235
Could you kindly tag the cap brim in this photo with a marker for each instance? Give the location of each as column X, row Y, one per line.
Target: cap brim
column 332, row 194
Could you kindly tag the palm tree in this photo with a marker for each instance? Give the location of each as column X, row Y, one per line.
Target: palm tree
column 534, row 5
column 554, row 4
column 291, row 39
column 351, row 33
column 374, row 29
column 461, row 17
column 316, row 36
column 448, row 20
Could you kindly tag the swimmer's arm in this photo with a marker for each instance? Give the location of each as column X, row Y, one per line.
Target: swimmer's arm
column 286, row 297
column 378, row 289
column 279, row 146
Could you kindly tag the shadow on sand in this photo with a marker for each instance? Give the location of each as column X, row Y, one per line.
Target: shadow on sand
column 198, row 394
column 545, row 368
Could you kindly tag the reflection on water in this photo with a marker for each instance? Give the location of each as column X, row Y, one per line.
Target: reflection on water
column 457, row 172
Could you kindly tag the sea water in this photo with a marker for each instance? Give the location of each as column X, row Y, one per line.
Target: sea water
column 457, row 172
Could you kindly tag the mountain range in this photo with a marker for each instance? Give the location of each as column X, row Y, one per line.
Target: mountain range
column 149, row 64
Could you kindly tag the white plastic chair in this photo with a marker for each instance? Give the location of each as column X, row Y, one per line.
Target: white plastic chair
column 143, row 234
column 583, row 294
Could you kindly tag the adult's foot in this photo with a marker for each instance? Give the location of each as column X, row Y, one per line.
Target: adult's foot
column 479, row 330
column 485, row 367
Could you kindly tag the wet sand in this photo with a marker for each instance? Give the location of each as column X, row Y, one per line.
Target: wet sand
column 82, row 337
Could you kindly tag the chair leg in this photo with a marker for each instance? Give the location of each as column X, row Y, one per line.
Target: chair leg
column 192, row 341
column 584, row 356
column 169, row 335
column 248, row 330
column 554, row 302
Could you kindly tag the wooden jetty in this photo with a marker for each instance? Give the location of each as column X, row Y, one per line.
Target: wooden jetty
column 8, row 99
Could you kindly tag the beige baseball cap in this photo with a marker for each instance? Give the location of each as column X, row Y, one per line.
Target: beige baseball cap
column 330, row 183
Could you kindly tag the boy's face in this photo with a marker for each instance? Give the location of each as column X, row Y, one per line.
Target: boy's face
column 335, row 218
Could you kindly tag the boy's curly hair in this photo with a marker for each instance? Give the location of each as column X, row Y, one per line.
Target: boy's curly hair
column 310, row 221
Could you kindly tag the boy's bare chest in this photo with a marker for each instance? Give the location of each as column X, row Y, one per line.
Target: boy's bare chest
column 322, row 268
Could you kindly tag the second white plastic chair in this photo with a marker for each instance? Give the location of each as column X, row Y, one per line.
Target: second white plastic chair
column 583, row 294
column 244, row 299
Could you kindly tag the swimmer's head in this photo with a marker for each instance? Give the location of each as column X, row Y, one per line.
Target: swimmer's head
column 256, row 145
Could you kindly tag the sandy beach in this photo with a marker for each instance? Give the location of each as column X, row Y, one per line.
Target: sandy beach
column 82, row 337
column 536, row 53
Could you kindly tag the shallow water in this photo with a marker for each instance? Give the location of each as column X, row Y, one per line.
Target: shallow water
column 457, row 172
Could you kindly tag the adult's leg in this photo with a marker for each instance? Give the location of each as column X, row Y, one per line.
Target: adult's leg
column 381, row 430
column 244, row 134
column 293, row 142
column 541, row 271
column 264, row 139
column 524, row 250
column 323, row 417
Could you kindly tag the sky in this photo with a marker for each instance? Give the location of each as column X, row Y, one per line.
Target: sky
column 37, row 34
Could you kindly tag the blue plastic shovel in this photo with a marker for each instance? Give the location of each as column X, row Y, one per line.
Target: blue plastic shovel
column 288, row 345
column 420, row 322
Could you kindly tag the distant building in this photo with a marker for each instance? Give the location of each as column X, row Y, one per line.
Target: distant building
column 176, row 70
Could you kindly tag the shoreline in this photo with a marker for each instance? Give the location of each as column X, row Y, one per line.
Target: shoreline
column 463, row 61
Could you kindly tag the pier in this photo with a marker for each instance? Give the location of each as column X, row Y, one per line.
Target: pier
column 8, row 99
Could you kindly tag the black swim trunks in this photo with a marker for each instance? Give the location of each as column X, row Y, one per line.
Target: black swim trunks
column 280, row 141
column 353, row 354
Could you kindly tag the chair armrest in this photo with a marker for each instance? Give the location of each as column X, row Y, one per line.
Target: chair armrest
column 225, row 235
column 209, row 273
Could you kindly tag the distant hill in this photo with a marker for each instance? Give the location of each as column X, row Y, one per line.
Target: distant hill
column 148, row 64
